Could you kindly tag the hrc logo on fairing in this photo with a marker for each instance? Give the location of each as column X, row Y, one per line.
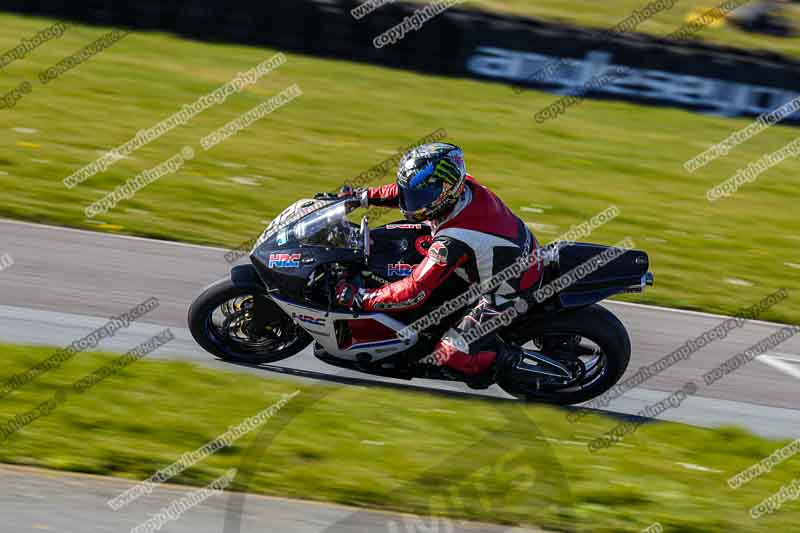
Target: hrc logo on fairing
column 309, row 319
column 399, row 269
column 284, row 260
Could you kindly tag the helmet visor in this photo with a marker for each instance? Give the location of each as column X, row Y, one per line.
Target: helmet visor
column 419, row 198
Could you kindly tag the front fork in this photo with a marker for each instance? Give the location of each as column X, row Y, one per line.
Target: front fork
column 260, row 316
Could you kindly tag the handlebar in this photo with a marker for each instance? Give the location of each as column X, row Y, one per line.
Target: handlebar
column 343, row 190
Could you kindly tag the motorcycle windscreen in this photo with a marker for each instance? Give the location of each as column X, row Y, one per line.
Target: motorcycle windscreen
column 328, row 227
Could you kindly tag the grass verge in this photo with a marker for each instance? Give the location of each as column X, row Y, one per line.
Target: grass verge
column 716, row 257
column 499, row 462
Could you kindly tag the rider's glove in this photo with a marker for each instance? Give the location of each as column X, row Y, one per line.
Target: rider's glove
column 358, row 197
column 348, row 295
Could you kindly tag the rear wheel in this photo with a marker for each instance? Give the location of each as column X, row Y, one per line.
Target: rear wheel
column 592, row 341
column 240, row 323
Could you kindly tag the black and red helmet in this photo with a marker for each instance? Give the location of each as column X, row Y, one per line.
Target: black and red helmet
column 430, row 180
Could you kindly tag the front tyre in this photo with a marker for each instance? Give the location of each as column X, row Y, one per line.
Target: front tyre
column 238, row 322
column 591, row 339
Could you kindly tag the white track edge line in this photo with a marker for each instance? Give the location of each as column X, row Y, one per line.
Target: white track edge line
column 693, row 313
column 780, row 365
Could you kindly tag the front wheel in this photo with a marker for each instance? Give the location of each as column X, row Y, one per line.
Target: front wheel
column 591, row 340
column 240, row 323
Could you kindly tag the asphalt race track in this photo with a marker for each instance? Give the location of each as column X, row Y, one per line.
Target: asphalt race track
column 64, row 283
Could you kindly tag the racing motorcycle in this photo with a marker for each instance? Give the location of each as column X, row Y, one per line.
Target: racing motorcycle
column 271, row 309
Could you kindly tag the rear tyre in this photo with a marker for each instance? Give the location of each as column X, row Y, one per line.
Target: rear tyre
column 238, row 322
column 591, row 337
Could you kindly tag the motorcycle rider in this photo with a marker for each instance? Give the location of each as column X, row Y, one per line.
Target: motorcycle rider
column 474, row 235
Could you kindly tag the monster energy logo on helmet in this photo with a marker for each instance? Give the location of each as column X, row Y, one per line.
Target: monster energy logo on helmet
column 447, row 171
column 431, row 178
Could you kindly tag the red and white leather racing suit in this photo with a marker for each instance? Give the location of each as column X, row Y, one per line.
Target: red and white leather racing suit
column 478, row 239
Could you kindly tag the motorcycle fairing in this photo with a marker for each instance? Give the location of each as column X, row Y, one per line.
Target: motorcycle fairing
column 376, row 336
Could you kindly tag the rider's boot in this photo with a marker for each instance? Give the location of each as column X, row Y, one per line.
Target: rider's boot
column 506, row 358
